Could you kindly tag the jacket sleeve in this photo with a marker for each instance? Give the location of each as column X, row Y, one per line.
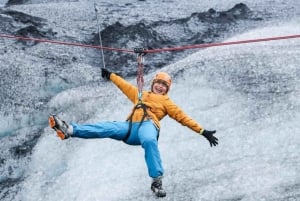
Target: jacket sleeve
column 179, row 115
column 127, row 88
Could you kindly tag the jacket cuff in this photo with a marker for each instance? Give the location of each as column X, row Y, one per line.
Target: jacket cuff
column 201, row 131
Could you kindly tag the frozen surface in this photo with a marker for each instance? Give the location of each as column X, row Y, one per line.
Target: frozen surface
column 258, row 155
column 249, row 93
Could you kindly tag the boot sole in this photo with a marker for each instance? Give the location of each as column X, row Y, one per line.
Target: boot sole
column 52, row 124
column 159, row 193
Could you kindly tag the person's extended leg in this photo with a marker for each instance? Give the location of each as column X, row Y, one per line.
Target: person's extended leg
column 114, row 130
column 148, row 134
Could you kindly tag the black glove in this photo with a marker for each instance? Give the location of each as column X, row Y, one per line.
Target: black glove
column 105, row 73
column 209, row 135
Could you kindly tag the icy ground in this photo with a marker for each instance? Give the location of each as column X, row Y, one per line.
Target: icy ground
column 248, row 93
column 256, row 117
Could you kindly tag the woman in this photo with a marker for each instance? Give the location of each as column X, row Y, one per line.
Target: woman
column 142, row 125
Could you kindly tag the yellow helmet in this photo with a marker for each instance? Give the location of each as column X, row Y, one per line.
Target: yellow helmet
column 162, row 76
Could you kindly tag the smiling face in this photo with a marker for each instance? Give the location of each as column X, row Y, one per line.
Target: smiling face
column 161, row 83
column 159, row 87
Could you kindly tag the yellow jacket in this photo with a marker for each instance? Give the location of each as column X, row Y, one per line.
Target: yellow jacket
column 158, row 106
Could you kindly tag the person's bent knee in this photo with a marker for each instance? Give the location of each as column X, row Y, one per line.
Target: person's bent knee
column 149, row 142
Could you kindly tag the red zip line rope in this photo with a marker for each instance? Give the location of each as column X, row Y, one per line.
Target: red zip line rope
column 64, row 43
column 153, row 50
column 221, row 44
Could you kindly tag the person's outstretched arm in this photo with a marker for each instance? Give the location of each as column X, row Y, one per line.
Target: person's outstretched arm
column 127, row 88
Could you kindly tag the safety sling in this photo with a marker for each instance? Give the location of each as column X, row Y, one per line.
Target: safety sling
column 140, row 83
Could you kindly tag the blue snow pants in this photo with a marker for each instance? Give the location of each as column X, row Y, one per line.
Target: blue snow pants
column 145, row 135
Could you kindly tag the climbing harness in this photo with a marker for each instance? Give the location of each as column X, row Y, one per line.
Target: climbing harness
column 140, row 83
column 145, row 115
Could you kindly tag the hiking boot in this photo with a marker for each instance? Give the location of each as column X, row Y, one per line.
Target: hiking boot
column 60, row 126
column 157, row 188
